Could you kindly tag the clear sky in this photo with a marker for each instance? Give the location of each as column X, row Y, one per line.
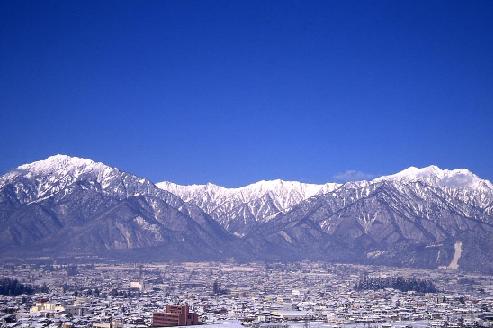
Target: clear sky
column 237, row 91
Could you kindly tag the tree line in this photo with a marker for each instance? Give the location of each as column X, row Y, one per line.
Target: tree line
column 13, row 287
column 399, row 283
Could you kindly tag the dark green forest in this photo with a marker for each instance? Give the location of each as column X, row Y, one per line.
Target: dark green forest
column 12, row 287
column 399, row 283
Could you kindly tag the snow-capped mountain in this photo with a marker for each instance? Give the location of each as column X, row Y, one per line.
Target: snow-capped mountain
column 426, row 217
column 239, row 209
column 474, row 193
column 444, row 178
column 417, row 217
column 99, row 208
column 42, row 179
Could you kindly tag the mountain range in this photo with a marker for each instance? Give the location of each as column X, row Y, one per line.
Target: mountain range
column 428, row 217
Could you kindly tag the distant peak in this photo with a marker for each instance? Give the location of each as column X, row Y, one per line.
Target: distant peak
column 432, row 174
column 413, row 172
column 61, row 162
column 266, row 182
column 269, row 183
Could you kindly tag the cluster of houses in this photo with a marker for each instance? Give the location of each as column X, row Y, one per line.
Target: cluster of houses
column 251, row 295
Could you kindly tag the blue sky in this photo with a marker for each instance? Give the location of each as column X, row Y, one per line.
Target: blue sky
column 236, row 91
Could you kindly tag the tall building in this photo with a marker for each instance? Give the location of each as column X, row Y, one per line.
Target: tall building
column 175, row 315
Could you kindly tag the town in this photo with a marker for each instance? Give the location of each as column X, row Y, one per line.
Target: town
column 228, row 294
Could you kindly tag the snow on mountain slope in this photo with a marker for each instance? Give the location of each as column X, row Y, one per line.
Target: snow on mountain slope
column 445, row 178
column 457, row 184
column 237, row 209
column 41, row 179
column 101, row 209
column 412, row 218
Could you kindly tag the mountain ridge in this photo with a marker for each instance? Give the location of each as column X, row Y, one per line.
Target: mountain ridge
column 415, row 217
column 101, row 208
column 223, row 203
column 239, row 208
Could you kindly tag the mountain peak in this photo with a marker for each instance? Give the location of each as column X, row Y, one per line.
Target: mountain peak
column 450, row 178
column 61, row 162
column 54, row 173
column 414, row 172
